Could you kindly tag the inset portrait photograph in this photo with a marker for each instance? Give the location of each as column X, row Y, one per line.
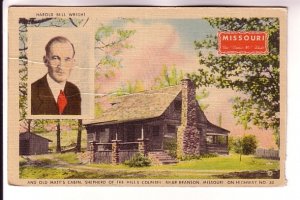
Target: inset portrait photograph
column 60, row 74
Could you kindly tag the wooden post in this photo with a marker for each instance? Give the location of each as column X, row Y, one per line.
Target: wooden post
column 58, row 146
column 93, row 150
column 115, row 152
column 143, row 146
column 143, row 143
column 78, row 145
column 142, row 132
column 29, row 125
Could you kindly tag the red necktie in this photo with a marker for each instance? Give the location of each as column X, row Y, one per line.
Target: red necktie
column 62, row 102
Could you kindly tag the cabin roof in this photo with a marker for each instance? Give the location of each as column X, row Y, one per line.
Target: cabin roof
column 144, row 105
column 24, row 134
column 138, row 106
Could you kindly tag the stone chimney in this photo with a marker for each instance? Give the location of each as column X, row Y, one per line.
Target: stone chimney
column 188, row 135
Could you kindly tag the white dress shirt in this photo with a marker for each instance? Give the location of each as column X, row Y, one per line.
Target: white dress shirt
column 55, row 87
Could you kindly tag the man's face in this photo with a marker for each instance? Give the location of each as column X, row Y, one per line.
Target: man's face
column 60, row 61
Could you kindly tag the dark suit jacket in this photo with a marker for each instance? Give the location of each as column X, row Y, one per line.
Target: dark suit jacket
column 43, row 102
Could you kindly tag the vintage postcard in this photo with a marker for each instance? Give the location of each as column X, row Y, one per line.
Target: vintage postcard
column 147, row 96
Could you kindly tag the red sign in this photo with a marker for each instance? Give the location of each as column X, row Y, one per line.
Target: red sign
column 234, row 42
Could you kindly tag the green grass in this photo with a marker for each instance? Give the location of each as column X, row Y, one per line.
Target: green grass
column 70, row 158
column 59, row 173
column 53, row 173
column 205, row 168
column 229, row 163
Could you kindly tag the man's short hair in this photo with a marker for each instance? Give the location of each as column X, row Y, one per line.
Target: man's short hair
column 58, row 39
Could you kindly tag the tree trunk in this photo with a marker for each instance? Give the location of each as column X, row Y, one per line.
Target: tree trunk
column 78, row 146
column 29, row 125
column 58, row 146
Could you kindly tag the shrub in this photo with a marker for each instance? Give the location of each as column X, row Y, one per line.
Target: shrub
column 245, row 145
column 249, row 144
column 138, row 160
column 170, row 145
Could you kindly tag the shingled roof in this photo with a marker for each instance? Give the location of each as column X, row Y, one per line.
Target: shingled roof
column 143, row 105
column 27, row 135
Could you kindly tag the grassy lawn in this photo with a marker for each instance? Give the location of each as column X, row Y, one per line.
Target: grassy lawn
column 231, row 163
column 224, row 163
column 66, row 166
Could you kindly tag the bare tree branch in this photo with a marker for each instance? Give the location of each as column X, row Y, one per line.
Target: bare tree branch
column 33, row 20
column 71, row 20
column 23, row 49
column 85, row 22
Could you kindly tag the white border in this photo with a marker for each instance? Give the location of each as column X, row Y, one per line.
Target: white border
column 291, row 191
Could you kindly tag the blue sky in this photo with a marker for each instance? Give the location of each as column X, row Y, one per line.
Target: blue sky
column 189, row 30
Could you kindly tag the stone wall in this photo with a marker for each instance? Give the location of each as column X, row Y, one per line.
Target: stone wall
column 188, row 134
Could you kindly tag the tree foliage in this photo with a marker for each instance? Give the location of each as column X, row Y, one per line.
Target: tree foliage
column 170, row 76
column 245, row 145
column 130, row 88
column 110, row 42
column 249, row 144
column 254, row 76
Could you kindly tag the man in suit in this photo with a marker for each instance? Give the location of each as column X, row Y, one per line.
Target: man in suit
column 53, row 94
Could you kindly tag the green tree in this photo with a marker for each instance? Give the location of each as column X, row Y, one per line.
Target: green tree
column 98, row 109
column 244, row 145
column 130, row 88
column 110, row 42
column 255, row 76
column 249, row 144
column 170, row 76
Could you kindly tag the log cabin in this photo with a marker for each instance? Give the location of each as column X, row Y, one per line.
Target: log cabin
column 151, row 122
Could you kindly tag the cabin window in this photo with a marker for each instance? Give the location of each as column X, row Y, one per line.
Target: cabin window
column 177, row 105
column 171, row 129
column 222, row 139
column 155, row 131
column 216, row 139
column 96, row 136
column 91, row 137
column 104, row 135
column 209, row 139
